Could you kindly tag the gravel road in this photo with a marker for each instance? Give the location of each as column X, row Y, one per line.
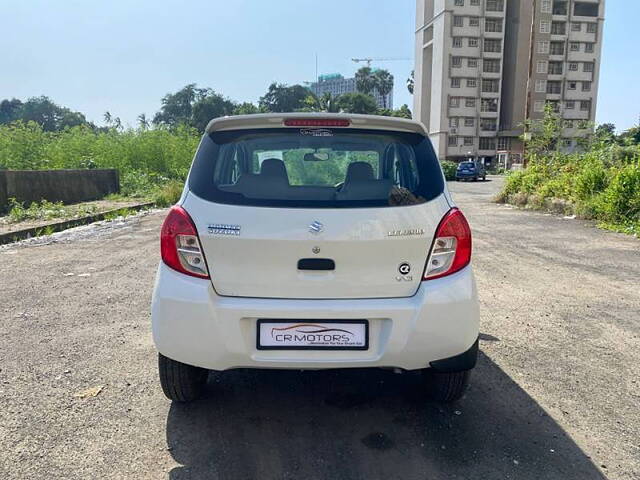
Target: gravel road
column 556, row 394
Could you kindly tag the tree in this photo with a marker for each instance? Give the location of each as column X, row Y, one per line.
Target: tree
column 411, row 82
column 542, row 136
column 365, row 82
column 283, row 98
column 177, row 107
column 143, row 123
column 107, row 117
column 10, row 110
column 630, row 137
column 210, row 105
column 246, row 108
column 50, row 116
column 605, row 133
column 192, row 106
column 357, row 103
column 383, row 83
column 402, row 112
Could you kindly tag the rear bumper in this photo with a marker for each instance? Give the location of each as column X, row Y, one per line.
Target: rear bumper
column 467, row 175
column 194, row 325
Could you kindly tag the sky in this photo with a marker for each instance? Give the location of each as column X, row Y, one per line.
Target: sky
column 124, row 56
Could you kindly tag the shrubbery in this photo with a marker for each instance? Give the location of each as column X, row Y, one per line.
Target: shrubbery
column 602, row 183
column 449, row 169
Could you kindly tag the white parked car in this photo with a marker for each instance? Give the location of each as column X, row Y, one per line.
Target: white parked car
column 315, row 241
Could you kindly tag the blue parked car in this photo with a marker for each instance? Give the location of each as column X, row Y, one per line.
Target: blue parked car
column 470, row 171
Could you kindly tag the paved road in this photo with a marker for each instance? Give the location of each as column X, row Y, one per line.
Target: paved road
column 556, row 393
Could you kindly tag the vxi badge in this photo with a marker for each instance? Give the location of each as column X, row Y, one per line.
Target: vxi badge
column 407, row 232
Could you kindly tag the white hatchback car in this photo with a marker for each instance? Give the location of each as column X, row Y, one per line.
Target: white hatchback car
column 315, row 241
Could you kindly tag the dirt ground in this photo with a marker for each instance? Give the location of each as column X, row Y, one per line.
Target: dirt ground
column 556, row 394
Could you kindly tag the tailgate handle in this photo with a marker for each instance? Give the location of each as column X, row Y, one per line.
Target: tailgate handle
column 316, row 264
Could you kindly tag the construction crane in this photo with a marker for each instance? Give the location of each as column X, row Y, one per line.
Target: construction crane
column 371, row 59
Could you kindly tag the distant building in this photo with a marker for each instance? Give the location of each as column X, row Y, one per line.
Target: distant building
column 336, row 84
column 484, row 67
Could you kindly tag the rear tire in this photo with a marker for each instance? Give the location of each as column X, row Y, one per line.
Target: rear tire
column 181, row 382
column 446, row 387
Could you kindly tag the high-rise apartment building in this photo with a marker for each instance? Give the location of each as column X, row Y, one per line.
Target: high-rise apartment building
column 483, row 67
column 336, row 84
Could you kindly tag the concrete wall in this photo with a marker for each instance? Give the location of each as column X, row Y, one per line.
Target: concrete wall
column 67, row 186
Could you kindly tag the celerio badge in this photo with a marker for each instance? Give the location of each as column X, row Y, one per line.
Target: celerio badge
column 223, row 229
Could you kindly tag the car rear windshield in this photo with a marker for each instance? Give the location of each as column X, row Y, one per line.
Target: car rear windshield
column 316, row 168
column 467, row 165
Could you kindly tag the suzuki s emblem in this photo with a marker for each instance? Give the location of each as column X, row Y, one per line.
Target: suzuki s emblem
column 316, row 227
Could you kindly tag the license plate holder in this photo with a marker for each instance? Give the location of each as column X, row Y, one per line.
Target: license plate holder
column 312, row 334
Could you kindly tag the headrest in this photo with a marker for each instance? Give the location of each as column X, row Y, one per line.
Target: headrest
column 272, row 167
column 359, row 172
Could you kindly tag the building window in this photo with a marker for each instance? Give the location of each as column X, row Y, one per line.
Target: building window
column 558, row 28
column 495, row 5
column 584, row 9
column 592, row 28
column 492, row 45
column 455, row 83
column 454, row 102
column 457, row 42
column 487, row 143
column 469, row 122
column 472, row 63
column 570, row 105
column 468, row 141
column 588, row 47
column 453, row 122
column 555, row 68
column 458, row 21
column 541, row 86
column 488, row 124
column 459, row 3
column 456, row 62
column 543, row 47
column 475, row 3
column 572, row 85
column 472, row 83
column 474, row 22
column 559, row 8
column 545, row 27
column 489, row 105
column 554, row 88
column 573, row 66
column 538, row 106
column 490, row 86
column 491, row 65
column 574, row 46
column 493, row 25
column 557, row 48
column 542, row 67
column 473, row 42
column 555, row 105
column 568, row 124
column 546, row 6
column 453, row 141
column 586, row 86
column 470, row 102
column 585, row 105
column 504, row 143
column 576, row 27
column 587, row 67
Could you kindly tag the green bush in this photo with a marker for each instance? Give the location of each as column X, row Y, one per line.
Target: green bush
column 602, row 184
column 449, row 169
column 168, row 194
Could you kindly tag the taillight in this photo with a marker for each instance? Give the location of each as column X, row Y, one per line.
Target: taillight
column 451, row 250
column 180, row 246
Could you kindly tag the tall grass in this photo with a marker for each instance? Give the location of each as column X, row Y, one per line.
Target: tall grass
column 145, row 158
